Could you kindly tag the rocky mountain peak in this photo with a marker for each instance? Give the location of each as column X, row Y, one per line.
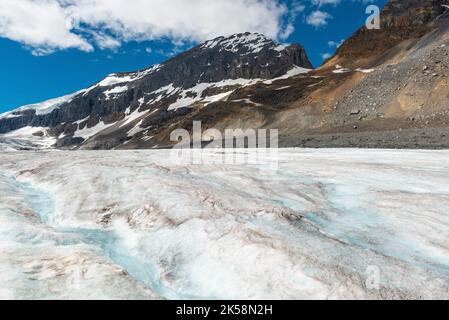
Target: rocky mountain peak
column 400, row 20
column 152, row 97
column 242, row 43
column 399, row 13
column 239, row 56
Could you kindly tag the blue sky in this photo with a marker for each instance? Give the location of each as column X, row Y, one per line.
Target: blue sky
column 49, row 49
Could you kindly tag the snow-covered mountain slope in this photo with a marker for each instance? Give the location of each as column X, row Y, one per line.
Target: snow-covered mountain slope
column 328, row 224
column 42, row 108
column 110, row 113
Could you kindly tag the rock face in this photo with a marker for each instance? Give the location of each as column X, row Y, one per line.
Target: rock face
column 169, row 89
column 400, row 20
column 384, row 88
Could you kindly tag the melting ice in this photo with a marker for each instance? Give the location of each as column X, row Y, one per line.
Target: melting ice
column 132, row 225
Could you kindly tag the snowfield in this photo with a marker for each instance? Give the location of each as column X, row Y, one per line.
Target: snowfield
column 327, row 224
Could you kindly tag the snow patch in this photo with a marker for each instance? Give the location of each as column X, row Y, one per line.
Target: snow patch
column 86, row 133
column 137, row 129
column 115, row 91
column 218, row 97
column 290, row 73
column 365, row 70
column 340, row 69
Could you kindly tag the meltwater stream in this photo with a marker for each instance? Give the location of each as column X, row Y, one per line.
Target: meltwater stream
column 108, row 240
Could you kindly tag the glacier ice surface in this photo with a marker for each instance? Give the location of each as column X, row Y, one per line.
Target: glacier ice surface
column 135, row 225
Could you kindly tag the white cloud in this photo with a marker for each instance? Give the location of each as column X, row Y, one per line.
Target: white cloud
column 318, row 18
column 335, row 44
column 295, row 8
column 324, row 2
column 336, row 2
column 105, row 41
column 326, row 55
column 49, row 25
column 41, row 24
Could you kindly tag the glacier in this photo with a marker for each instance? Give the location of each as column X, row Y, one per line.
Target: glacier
column 137, row 225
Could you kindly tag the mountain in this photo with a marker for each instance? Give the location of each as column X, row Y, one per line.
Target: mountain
column 128, row 109
column 384, row 88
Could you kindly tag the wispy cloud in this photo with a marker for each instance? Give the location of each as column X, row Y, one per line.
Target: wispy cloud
column 335, row 44
column 295, row 8
column 326, row 55
column 336, row 2
column 324, row 2
column 318, row 18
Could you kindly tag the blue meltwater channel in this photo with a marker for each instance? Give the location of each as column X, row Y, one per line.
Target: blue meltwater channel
column 110, row 243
